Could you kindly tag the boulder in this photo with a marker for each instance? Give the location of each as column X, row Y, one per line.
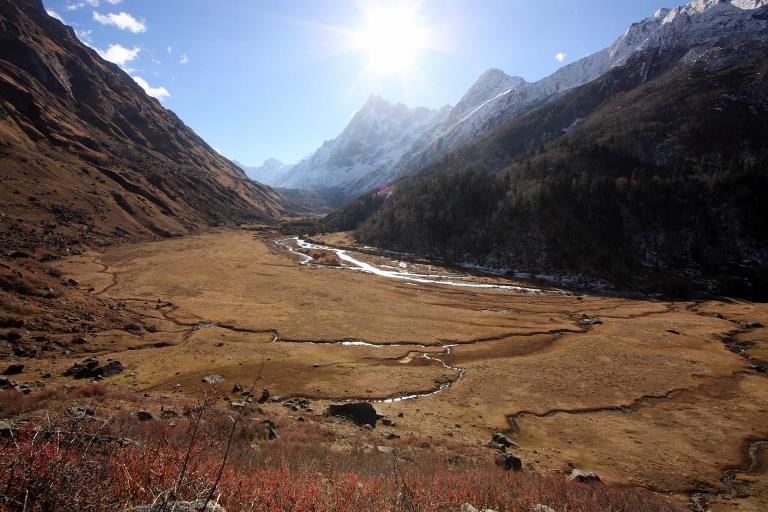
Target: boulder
column 83, row 370
column 14, row 369
column 503, row 440
column 169, row 414
column 585, row 477
column 270, row 428
column 81, row 411
column 264, row 396
column 144, row 416
column 213, row 379
column 510, row 462
column 361, row 413
column 109, row 369
column 90, row 369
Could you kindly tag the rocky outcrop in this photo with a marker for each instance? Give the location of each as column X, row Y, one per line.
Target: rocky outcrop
column 361, row 413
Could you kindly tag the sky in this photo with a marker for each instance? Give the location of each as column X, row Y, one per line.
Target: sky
column 261, row 79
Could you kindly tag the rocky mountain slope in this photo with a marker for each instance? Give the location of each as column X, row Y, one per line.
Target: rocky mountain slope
column 88, row 158
column 700, row 23
column 496, row 98
column 373, row 141
column 645, row 176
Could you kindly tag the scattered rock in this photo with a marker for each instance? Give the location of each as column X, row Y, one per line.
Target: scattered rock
column 83, row 370
column 673, row 331
column 387, row 422
column 385, row 449
column 392, row 436
column 238, row 405
column 752, row 325
column 503, row 440
column 81, row 411
column 213, row 379
column 178, row 506
column 543, row 508
column 237, row 388
column 271, row 429
column 110, row 369
column 361, row 413
column 169, row 414
column 134, row 327
column 264, row 396
column 510, row 462
column 90, row 369
column 586, row 477
column 469, row 508
column 11, row 336
column 14, row 369
column 72, row 283
column 144, row 416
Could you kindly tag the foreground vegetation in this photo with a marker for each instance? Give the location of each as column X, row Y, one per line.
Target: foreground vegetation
column 64, row 462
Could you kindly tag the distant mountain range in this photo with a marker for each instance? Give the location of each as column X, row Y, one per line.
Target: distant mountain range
column 383, row 141
column 88, row 157
column 637, row 166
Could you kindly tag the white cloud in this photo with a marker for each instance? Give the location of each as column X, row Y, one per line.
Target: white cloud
column 561, row 56
column 121, row 20
column 217, row 150
column 118, row 54
column 156, row 92
column 79, row 5
column 184, row 59
column 113, row 2
column 85, row 37
column 169, row 49
column 54, row 14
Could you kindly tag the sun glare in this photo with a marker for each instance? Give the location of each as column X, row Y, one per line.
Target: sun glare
column 392, row 38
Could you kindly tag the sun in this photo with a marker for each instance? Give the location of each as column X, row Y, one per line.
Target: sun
column 392, row 38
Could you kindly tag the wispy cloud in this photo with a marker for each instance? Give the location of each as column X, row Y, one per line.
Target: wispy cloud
column 184, row 59
column 156, row 92
column 54, row 14
column 169, row 49
column 72, row 6
column 119, row 54
column 561, row 56
column 121, row 20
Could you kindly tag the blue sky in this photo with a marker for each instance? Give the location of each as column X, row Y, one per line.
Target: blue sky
column 260, row 79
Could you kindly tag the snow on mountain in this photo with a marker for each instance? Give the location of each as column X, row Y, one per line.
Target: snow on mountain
column 375, row 139
column 701, row 23
column 268, row 173
column 384, row 141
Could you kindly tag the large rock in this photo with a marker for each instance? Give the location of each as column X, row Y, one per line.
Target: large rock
column 510, row 462
column 213, row 379
column 361, row 413
column 586, row 477
column 90, row 369
column 178, row 506
column 14, row 369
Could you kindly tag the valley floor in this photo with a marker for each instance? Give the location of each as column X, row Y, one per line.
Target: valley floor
column 669, row 396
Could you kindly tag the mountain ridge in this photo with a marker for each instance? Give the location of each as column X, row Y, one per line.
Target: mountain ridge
column 103, row 160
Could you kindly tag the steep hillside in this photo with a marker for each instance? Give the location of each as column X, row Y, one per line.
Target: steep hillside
column 700, row 23
column 88, row 158
column 649, row 179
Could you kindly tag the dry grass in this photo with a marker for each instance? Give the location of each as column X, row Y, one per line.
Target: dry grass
column 87, row 465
